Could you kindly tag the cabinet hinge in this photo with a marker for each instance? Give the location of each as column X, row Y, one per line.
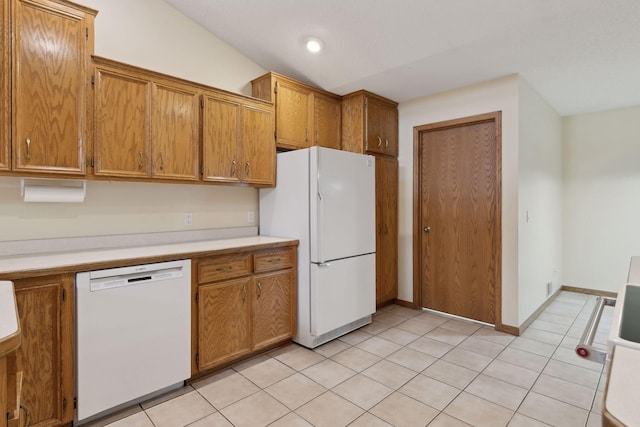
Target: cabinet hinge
column 201, row 170
column 202, row 103
column 64, row 298
column 93, row 80
column 275, row 88
column 86, row 32
column 64, row 404
column 75, row 403
column 197, row 358
column 197, row 297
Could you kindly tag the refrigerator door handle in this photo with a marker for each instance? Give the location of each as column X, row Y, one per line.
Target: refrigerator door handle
column 324, row 264
column 320, row 196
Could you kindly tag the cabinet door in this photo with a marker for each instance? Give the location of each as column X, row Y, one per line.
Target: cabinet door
column 326, row 122
column 273, row 312
column 389, row 120
column 223, row 322
column 175, row 132
column 5, row 109
column 45, row 357
column 258, row 149
column 220, row 140
column 386, row 230
column 374, row 136
column 122, row 125
column 292, row 115
column 49, row 87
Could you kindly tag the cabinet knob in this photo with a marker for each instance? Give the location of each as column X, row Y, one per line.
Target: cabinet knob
column 379, row 141
column 427, row 229
column 140, row 160
column 259, row 290
column 234, row 168
column 247, row 169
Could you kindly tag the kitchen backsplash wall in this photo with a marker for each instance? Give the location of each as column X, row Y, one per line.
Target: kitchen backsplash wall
column 125, row 207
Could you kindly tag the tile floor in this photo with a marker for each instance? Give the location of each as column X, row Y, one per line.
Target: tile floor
column 407, row 368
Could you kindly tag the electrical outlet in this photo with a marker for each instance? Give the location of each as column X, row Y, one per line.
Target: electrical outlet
column 251, row 217
column 188, row 218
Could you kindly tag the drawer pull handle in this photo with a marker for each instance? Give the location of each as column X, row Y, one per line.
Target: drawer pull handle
column 234, row 168
column 274, row 260
column 259, row 290
column 379, row 141
column 161, row 162
column 140, row 160
column 247, row 169
column 28, row 154
column 227, row 268
column 244, row 293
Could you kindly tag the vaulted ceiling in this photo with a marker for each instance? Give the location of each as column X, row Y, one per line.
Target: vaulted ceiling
column 580, row 55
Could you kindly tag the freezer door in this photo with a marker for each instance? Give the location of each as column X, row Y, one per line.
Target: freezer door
column 341, row 292
column 343, row 211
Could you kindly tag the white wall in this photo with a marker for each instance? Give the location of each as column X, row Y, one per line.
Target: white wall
column 539, row 200
column 497, row 95
column 601, row 197
column 150, row 34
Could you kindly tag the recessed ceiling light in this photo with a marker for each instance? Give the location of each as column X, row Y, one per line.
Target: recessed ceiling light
column 314, row 45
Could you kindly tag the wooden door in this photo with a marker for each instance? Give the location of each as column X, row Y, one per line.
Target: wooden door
column 49, row 87
column 326, row 122
column 273, row 314
column 45, row 308
column 223, row 322
column 122, row 143
column 5, row 109
column 221, row 153
column 457, row 219
column 258, row 150
column 175, row 134
column 386, row 230
column 292, row 115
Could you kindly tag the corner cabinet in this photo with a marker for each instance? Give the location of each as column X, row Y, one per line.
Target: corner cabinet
column 52, row 44
column 45, row 357
column 305, row 116
column 153, row 118
column 369, row 124
column 237, row 140
column 245, row 302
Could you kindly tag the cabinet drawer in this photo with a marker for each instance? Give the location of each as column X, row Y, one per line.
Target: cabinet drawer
column 274, row 260
column 214, row 269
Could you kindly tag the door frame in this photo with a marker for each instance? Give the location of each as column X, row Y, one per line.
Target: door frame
column 496, row 118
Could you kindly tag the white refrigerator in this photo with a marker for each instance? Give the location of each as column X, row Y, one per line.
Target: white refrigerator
column 326, row 199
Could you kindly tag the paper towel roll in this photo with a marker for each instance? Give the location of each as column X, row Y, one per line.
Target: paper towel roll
column 53, row 193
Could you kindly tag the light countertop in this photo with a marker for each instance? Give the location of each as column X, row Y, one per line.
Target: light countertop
column 45, row 261
column 623, row 387
column 9, row 324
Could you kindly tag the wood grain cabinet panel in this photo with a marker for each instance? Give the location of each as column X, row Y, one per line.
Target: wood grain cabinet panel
column 222, row 268
column 386, row 230
column 224, row 322
column 272, row 313
column 369, row 124
column 45, row 307
column 5, row 77
column 237, row 141
column 146, row 125
column 304, row 115
column 52, row 42
column 122, row 125
column 175, row 135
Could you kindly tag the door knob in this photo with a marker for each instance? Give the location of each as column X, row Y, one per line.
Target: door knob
column 427, row 229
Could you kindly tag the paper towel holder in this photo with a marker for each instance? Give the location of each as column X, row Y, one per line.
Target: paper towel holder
column 52, row 190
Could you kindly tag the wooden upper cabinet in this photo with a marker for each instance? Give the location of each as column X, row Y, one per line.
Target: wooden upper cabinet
column 175, row 134
column 121, row 145
column 305, row 115
column 145, row 125
column 326, row 122
column 369, row 124
column 237, row 140
column 258, row 149
column 5, row 108
column 52, row 43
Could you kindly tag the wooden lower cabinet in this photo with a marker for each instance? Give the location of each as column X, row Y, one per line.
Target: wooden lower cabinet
column 244, row 303
column 45, row 308
column 386, row 230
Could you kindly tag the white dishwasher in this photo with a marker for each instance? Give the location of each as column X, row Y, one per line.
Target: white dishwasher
column 133, row 334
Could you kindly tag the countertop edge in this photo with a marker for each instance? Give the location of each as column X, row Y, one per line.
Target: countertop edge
column 10, row 339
